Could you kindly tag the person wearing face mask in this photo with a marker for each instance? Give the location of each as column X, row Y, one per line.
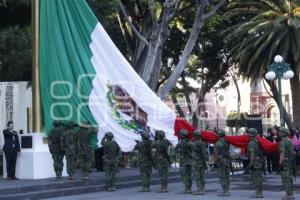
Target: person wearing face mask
column 11, row 148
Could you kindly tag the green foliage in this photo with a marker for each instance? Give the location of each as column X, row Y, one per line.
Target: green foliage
column 15, row 12
column 107, row 13
column 15, row 54
column 265, row 28
column 210, row 60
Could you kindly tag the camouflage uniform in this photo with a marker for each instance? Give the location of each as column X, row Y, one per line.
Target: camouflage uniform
column 162, row 159
column 55, row 142
column 200, row 156
column 145, row 160
column 70, row 146
column 111, row 150
column 222, row 161
column 85, row 150
column 185, row 153
column 287, row 153
column 255, row 155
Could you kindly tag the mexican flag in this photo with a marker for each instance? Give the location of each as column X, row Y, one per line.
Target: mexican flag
column 85, row 78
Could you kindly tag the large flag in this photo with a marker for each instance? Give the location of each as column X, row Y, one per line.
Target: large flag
column 84, row 77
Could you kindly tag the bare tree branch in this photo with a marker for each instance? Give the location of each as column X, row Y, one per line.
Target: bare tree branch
column 214, row 10
column 198, row 23
column 178, row 11
column 152, row 8
column 142, row 38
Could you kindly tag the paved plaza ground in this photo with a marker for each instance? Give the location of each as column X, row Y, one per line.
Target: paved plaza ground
column 240, row 189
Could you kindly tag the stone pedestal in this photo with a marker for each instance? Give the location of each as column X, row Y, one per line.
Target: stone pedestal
column 35, row 162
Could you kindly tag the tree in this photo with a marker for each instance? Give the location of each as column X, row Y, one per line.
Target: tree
column 266, row 28
column 15, row 12
column 145, row 25
column 15, row 40
column 15, row 54
column 208, row 65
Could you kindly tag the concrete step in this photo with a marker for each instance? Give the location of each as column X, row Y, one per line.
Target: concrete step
column 53, row 184
column 56, row 191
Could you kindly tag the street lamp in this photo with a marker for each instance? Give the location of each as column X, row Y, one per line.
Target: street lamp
column 279, row 70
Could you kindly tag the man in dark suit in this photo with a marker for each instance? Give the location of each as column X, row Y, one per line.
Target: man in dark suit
column 11, row 148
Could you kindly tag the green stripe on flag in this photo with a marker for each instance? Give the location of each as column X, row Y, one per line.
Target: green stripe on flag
column 65, row 36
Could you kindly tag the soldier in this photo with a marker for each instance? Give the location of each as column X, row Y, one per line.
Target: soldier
column 145, row 160
column 162, row 159
column 286, row 155
column 111, row 150
column 70, row 147
column 55, row 142
column 255, row 158
column 185, row 153
column 222, row 161
column 200, row 156
column 85, row 150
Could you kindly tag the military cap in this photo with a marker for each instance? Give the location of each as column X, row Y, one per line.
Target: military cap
column 196, row 133
column 252, row 132
column 70, row 124
column 221, row 133
column 283, row 132
column 145, row 135
column 109, row 135
column 183, row 133
column 56, row 122
column 161, row 134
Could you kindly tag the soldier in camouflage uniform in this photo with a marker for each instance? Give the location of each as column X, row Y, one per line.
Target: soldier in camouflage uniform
column 162, row 159
column 286, row 155
column 55, row 142
column 145, row 160
column 111, row 150
column 222, row 161
column 185, row 153
column 70, row 147
column 200, row 156
column 85, row 149
column 255, row 156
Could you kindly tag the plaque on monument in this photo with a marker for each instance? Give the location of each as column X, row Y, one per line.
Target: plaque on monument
column 26, row 142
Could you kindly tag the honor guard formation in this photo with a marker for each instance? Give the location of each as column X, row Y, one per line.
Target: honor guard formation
column 73, row 142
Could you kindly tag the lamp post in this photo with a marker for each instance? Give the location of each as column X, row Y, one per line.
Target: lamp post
column 279, row 70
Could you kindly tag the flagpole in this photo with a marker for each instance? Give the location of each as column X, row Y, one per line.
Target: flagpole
column 36, row 98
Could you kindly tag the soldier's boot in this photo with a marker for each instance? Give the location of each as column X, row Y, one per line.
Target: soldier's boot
column 188, row 190
column 58, row 175
column 163, row 189
column 147, row 189
column 224, row 193
column 109, row 188
column 200, row 191
column 113, row 188
column 258, row 194
column 85, row 176
column 143, row 189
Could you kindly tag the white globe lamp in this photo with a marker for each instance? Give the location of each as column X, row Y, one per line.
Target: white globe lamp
column 278, row 59
column 288, row 75
column 270, row 76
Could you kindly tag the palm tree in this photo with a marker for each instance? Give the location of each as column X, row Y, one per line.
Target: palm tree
column 265, row 28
